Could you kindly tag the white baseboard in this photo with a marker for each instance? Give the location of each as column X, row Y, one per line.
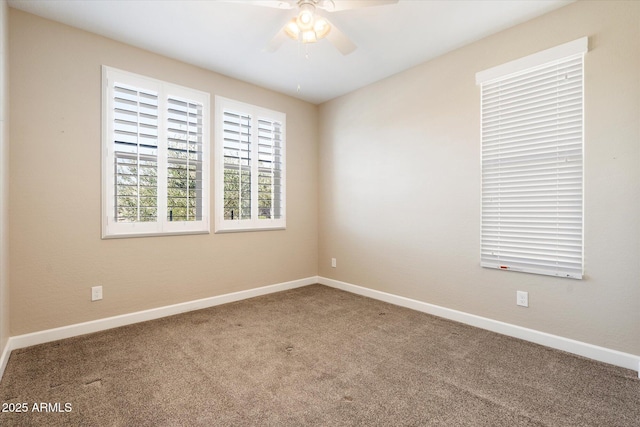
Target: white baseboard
column 40, row 337
column 602, row 354
column 591, row 351
column 4, row 357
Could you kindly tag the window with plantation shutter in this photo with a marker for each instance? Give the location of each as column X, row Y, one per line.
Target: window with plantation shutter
column 250, row 152
column 155, row 157
column 532, row 163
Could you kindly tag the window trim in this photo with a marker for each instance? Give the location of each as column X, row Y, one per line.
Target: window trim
column 575, row 47
column 161, row 227
column 254, row 224
column 516, row 251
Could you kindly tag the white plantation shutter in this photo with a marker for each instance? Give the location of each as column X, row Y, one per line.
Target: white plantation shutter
column 250, row 148
column 270, row 202
column 532, row 166
column 135, row 146
column 184, row 160
column 155, row 157
column 237, row 166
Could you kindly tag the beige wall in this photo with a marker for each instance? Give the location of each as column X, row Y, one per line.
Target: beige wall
column 4, row 176
column 400, row 183
column 56, row 250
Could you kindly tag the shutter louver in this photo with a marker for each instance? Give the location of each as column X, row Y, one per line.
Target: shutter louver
column 135, row 145
column 532, row 170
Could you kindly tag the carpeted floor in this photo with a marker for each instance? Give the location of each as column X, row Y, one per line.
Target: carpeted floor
column 311, row 356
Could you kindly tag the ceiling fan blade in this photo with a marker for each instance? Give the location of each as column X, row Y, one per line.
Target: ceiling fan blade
column 338, row 5
column 277, row 40
column 340, row 40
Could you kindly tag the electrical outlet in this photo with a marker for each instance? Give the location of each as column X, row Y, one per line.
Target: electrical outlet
column 96, row 293
column 522, row 298
column 333, row 263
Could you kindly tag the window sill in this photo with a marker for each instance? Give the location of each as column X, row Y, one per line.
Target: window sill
column 249, row 229
column 163, row 234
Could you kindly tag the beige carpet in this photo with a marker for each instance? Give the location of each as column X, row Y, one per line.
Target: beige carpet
column 312, row 356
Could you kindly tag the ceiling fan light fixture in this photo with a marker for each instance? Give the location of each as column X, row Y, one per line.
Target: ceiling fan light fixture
column 318, row 29
column 321, row 28
column 307, row 27
column 309, row 36
column 306, row 16
column 292, row 29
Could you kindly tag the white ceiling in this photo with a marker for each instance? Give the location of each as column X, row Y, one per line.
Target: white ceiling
column 229, row 37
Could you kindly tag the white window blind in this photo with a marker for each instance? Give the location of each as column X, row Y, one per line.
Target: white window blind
column 155, row 157
column 532, row 167
column 250, row 149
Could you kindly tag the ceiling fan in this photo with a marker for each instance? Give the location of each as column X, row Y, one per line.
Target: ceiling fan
column 309, row 27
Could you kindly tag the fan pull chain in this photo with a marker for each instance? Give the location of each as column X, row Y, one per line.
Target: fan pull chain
column 302, row 56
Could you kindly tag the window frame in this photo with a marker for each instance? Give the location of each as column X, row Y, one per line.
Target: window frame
column 512, row 225
column 165, row 90
column 256, row 113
